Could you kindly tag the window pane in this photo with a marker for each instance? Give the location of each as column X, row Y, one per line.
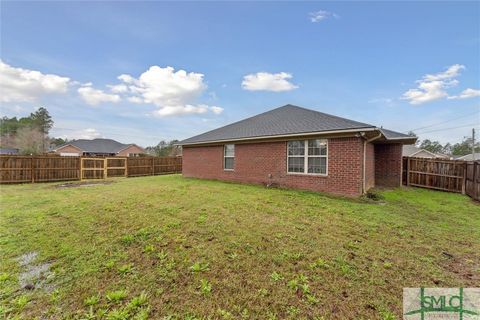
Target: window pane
column 296, row 164
column 229, row 150
column 317, row 147
column 317, row 165
column 229, row 162
column 296, row 148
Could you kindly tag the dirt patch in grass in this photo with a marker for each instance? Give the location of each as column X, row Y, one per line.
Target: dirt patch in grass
column 34, row 275
column 82, row 184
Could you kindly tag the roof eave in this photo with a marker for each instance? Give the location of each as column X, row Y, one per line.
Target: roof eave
column 291, row 135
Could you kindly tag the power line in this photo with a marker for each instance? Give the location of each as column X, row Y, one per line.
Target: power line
column 451, row 128
column 450, row 120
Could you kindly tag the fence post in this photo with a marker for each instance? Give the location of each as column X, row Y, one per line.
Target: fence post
column 81, row 168
column 408, row 171
column 153, row 166
column 33, row 169
column 126, row 167
column 105, row 171
column 464, row 185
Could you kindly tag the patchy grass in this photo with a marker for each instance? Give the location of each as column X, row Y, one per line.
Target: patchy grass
column 191, row 249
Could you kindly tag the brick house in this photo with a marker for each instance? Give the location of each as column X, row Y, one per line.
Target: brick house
column 98, row 147
column 299, row 148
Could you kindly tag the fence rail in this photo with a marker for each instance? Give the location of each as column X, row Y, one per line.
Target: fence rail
column 440, row 174
column 33, row 169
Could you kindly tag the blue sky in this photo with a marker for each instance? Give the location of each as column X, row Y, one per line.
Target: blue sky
column 398, row 65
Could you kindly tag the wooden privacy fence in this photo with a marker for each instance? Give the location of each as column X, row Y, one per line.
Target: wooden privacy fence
column 440, row 174
column 23, row 169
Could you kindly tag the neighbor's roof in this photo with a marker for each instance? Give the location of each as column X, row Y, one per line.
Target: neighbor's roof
column 8, row 151
column 468, row 157
column 97, row 145
column 285, row 121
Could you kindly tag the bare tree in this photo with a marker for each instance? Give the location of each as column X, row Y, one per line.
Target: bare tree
column 30, row 140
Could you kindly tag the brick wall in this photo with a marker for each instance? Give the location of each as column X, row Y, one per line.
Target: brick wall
column 388, row 165
column 69, row 149
column 265, row 163
column 130, row 149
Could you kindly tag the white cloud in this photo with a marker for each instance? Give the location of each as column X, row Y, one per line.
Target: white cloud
column 94, row 96
column 174, row 92
column 216, row 110
column 119, row 88
column 433, row 86
column 89, row 133
column 467, row 93
column 17, row 84
column 264, row 81
column 321, row 15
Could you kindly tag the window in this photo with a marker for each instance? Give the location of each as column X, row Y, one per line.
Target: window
column 229, row 156
column 307, row 156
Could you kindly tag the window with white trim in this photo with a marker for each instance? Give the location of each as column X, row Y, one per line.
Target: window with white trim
column 307, row 156
column 229, row 156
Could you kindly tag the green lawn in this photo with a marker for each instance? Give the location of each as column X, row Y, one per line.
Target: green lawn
column 180, row 248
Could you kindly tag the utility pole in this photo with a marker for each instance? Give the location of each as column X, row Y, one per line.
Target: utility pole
column 473, row 144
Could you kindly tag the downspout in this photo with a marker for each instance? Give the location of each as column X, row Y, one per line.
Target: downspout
column 365, row 157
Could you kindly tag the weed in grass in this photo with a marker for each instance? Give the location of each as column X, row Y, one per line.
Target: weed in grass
column 21, row 301
column 109, row 264
column 292, row 311
column 116, row 296
column 319, row 264
column 127, row 239
column 224, row 314
column 92, row 300
column 126, row 269
column 4, row 277
column 345, row 267
column 149, row 248
column 312, row 299
column 262, row 292
column 199, row 267
column 162, row 255
column 387, row 315
column 139, row 301
column 232, row 255
column 142, row 314
column 275, row 276
column 387, row 265
column 205, row 286
column 118, row 314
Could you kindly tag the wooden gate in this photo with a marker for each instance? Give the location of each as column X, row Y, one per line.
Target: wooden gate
column 438, row 174
column 116, row 167
column 92, row 168
column 472, row 180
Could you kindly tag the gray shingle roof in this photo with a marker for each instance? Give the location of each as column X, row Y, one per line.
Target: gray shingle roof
column 97, row 145
column 282, row 121
column 392, row 135
column 285, row 120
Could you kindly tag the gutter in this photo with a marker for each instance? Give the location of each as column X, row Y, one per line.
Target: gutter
column 365, row 157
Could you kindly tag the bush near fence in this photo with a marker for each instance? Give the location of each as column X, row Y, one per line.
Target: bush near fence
column 32, row 169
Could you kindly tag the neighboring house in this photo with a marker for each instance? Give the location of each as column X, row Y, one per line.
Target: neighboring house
column 98, row 147
column 412, row 151
column 8, row 151
column 299, row 148
column 469, row 157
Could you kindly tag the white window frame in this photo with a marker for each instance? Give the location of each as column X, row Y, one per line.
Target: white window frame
column 305, row 159
column 224, row 156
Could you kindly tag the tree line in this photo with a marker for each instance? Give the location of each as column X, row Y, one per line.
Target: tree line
column 28, row 134
column 457, row 149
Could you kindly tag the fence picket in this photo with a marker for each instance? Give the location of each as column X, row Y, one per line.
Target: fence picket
column 22, row 169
